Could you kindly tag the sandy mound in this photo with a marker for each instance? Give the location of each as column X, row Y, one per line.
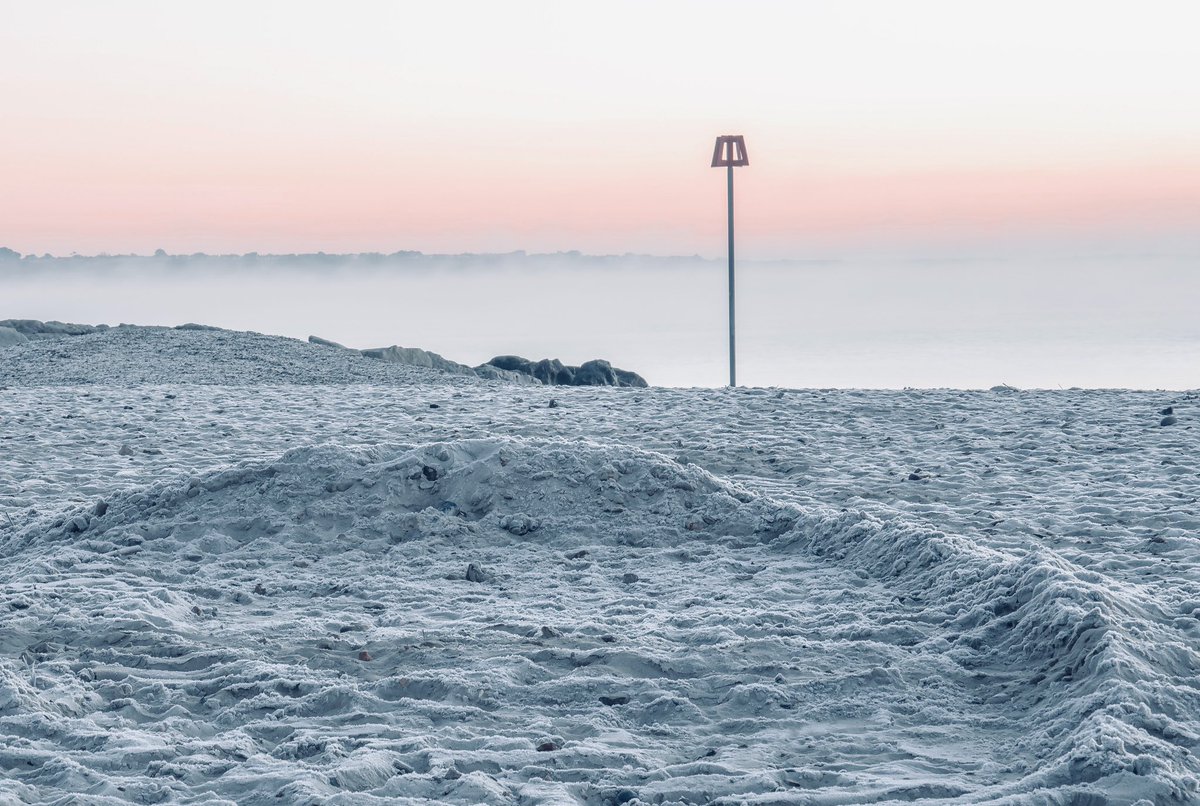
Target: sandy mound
column 502, row 620
column 128, row 356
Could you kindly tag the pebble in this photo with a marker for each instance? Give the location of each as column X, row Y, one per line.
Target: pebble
column 1168, row 410
column 1168, row 420
column 365, row 655
column 476, row 574
column 547, row 747
column 629, row 578
column 430, row 473
column 618, row 700
column 553, row 404
column 577, row 555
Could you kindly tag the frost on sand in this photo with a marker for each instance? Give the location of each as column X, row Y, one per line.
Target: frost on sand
column 503, row 620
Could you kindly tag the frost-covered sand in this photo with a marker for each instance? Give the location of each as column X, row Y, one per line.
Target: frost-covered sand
column 250, row 575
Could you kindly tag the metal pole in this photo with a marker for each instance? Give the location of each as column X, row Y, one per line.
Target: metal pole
column 732, row 351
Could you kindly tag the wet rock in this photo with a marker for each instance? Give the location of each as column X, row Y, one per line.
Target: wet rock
column 476, row 574
column 125, row 450
column 430, row 473
column 629, row 578
column 1168, row 420
column 618, row 700
column 553, row 404
column 548, row 747
column 365, row 655
column 1168, row 410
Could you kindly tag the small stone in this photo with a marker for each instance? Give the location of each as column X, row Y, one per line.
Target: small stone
column 608, row 639
column 618, row 700
column 577, row 555
column 475, row 573
column 553, row 404
column 915, row 477
column 365, row 655
column 430, row 473
column 259, row 590
column 125, row 450
column 1168, row 410
column 629, row 578
column 547, row 747
column 1168, row 420
column 549, row 632
column 196, row 609
column 100, row 508
column 434, row 406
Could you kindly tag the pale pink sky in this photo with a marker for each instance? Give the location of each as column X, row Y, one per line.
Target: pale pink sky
column 457, row 126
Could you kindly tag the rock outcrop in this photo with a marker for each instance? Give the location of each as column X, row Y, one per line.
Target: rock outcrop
column 551, row 371
column 10, row 336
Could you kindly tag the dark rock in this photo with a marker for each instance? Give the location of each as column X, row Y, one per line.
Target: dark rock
column 915, row 477
column 100, row 508
column 547, row 747
column 194, row 326
column 435, row 405
column 365, row 655
column 476, row 574
column 554, row 372
column 512, row 363
column 1168, row 410
column 1168, row 420
column 577, row 555
column 553, row 404
column 618, row 700
column 629, row 578
column 430, row 473
column 597, row 372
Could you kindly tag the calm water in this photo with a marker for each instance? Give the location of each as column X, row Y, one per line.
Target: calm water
column 1029, row 323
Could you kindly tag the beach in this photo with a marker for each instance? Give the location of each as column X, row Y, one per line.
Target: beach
column 362, row 583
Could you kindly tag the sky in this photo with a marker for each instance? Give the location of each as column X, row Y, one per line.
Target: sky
column 928, row 126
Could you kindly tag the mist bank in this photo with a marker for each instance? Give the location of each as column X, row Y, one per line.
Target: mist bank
column 960, row 323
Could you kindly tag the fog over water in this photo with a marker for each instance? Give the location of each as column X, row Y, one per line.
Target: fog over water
column 1127, row 322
